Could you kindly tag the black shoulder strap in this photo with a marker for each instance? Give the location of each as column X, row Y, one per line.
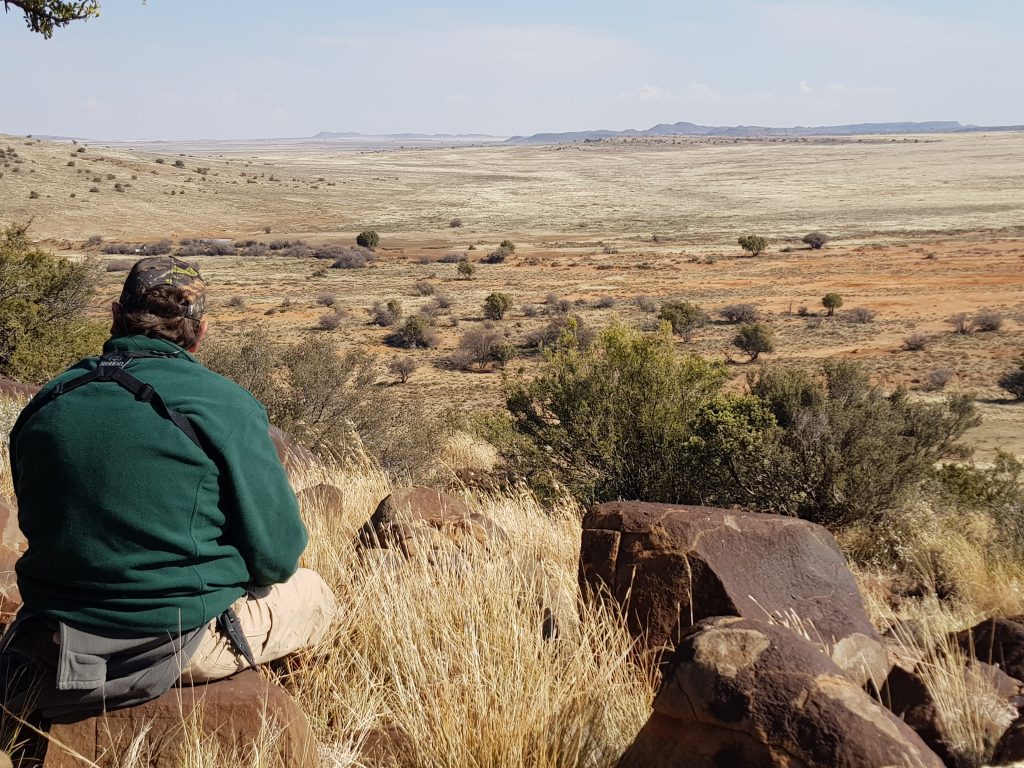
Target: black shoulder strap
column 111, row 367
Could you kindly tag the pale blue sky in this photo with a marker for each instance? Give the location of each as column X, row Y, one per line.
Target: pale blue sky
column 232, row 69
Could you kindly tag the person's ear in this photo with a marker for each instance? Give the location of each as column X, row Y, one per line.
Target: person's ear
column 200, row 335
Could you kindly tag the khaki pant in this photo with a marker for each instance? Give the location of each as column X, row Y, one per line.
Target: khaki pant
column 276, row 620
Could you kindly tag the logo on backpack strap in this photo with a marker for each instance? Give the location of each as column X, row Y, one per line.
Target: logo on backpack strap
column 114, row 361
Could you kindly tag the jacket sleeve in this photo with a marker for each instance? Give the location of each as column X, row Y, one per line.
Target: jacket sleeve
column 263, row 513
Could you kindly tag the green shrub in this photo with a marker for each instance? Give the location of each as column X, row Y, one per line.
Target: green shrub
column 466, row 270
column 368, row 238
column 998, row 491
column 416, row 332
column 815, row 239
column 831, row 302
column 496, row 305
column 507, row 245
column 753, row 244
column 42, row 310
column 1013, row 381
column 685, row 317
column 753, row 339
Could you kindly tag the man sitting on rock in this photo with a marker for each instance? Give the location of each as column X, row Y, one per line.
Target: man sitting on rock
column 163, row 534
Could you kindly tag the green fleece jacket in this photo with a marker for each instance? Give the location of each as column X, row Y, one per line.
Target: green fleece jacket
column 132, row 528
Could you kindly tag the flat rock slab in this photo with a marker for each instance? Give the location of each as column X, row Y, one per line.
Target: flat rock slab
column 672, row 565
column 239, row 715
column 741, row 692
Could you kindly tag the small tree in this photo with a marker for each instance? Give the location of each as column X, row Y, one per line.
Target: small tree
column 368, row 238
column 416, row 332
column 685, row 317
column 43, row 16
column 403, row 367
column 1013, row 381
column 739, row 313
column 961, row 323
column 815, row 239
column 831, row 302
column 753, row 339
column 753, row 244
column 496, row 305
column 508, row 245
column 466, row 270
column 386, row 314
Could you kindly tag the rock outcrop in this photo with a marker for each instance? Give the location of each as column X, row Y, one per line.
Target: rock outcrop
column 672, row 565
column 420, row 520
column 237, row 715
column 742, row 692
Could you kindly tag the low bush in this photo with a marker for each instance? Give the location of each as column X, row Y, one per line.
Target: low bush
column 646, row 304
column 329, row 321
column 1013, row 381
column 466, row 270
column 368, row 238
column 453, row 258
column 236, row 301
column 496, row 257
column 861, row 315
column 559, row 331
column 938, row 378
column 330, row 402
column 403, row 367
column 604, row 302
column 121, row 248
column 739, row 313
column 480, row 347
column 753, row 244
column 754, row 339
column 530, row 310
column 988, row 320
column 159, row 248
column 455, row 223
column 280, row 245
column 424, row 288
column 416, row 332
column 352, row 258
column 685, row 317
column 496, row 305
column 507, row 245
column 386, row 314
column 815, row 239
column 831, row 302
column 326, row 300
column 961, row 323
column 915, row 342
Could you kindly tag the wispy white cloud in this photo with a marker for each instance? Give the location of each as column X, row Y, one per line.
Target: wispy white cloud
column 693, row 92
column 806, row 87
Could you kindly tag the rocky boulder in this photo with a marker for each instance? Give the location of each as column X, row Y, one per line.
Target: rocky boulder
column 742, row 692
column 672, row 565
column 999, row 642
column 324, row 497
column 239, row 715
column 293, row 456
column 422, row 520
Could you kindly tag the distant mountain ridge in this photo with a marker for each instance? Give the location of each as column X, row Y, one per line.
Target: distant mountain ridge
column 754, row 131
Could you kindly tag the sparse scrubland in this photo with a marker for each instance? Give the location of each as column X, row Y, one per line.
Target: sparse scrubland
column 585, row 362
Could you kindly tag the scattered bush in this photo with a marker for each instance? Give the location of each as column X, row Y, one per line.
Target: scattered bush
column 479, row 347
column 496, row 305
column 1013, row 381
column 915, row 342
column 453, row 258
column 466, row 270
column 938, row 378
column 831, row 302
column 988, row 320
column 507, row 245
column 443, row 300
column 160, row 161
column 560, row 331
column 403, row 367
column 753, row 244
column 455, row 223
column 204, row 247
column 94, row 241
column 739, row 313
column 815, row 239
column 179, row 163
column 326, row 300
column 961, row 323
column 754, row 339
column 416, row 332
column 368, row 238
column 685, row 317
column 280, row 245
column 158, row 248
column 496, row 257
column 386, row 314
column 530, row 310
column 424, row 288
column 33, row 195
column 330, row 402
column 861, row 315
column 119, row 265
column 604, row 302
column 329, row 321
column 121, row 248
column 646, row 304
column 352, row 258
column 236, row 301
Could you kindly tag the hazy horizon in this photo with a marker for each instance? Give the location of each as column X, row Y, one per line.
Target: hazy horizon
column 191, row 70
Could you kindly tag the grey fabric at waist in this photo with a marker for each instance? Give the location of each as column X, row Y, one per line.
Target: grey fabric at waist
column 87, row 672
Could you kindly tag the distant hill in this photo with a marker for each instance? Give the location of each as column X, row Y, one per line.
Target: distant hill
column 745, row 131
column 440, row 137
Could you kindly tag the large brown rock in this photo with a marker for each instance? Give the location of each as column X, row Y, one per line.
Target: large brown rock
column 237, row 715
column 422, row 520
column 999, row 642
column 742, row 692
column 671, row 566
column 293, row 456
column 322, row 497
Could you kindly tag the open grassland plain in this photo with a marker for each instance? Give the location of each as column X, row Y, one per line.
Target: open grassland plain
column 923, row 228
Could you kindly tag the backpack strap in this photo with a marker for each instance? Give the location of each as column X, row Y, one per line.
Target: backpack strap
column 111, row 367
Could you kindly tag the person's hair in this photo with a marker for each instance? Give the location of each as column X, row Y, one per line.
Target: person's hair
column 162, row 316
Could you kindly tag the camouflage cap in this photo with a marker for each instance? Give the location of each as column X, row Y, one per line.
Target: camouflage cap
column 147, row 274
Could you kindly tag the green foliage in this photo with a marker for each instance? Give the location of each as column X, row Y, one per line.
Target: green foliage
column 368, row 238
column 496, row 305
column 631, row 419
column 507, row 245
column 608, row 422
column 815, row 239
column 753, row 339
column 330, row 401
column 753, row 244
column 997, row 490
column 43, row 16
column 685, row 317
column 466, row 269
column 416, row 331
column 1013, row 381
column 42, row 304
column 831, row 302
